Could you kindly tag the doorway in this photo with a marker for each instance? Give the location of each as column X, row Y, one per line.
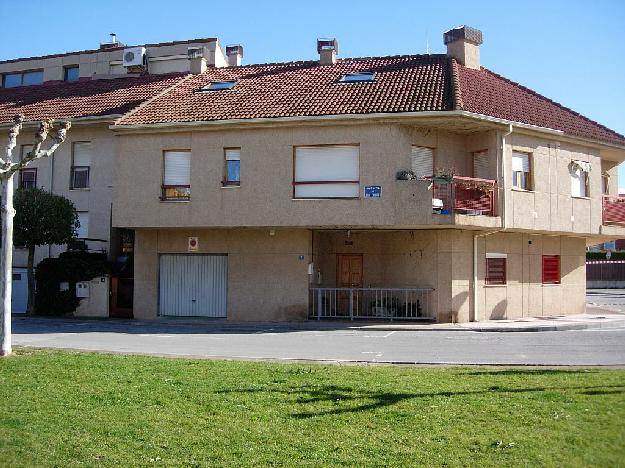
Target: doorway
column 349, row 270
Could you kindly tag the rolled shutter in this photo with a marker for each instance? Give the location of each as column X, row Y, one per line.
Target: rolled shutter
column 496, row 270
column 481, row 166
column 422, row 161
column 83, row 230
column 335, row 167
column 233, row 155
column 520, row 162
column 82, row 154
column 177, row 168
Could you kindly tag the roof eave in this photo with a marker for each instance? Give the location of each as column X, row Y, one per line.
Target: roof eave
column 390, row 116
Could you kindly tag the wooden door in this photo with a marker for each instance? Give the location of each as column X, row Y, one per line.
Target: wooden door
column 349, row 270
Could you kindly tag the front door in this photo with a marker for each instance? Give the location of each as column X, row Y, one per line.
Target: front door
column 349, row 270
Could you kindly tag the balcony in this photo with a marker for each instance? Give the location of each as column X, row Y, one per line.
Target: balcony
column 613, row 210
column 176, row 192
column 464, row 195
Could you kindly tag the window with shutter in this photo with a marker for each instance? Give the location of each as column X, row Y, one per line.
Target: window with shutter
column 176, row 175
column 327, row 172
column 28, row 178
column 422, row 161
column 521, row 170
column 495, row 269
column 481, row 165
column 551, row 269
column 81, row 165
column 233, row 166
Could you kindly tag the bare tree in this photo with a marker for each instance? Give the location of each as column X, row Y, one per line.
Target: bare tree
column 8, row 168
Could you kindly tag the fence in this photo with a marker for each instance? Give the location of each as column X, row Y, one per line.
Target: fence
column 605, row 274
column 371, row 303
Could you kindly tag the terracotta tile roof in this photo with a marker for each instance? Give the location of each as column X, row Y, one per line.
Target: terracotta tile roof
column 485, row 92
column 402, row 84
column 82, row 98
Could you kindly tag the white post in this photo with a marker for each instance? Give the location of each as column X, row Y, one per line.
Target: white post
column 8, row 168
column 6, row 264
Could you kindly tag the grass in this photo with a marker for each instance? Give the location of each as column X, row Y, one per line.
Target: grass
column 66, row 409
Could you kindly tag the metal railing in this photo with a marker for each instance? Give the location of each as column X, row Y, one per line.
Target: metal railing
column 464, row 195
column 613, row 209
column 371, row 303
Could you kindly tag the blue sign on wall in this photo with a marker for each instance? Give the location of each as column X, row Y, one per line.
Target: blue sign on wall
column 373, row 191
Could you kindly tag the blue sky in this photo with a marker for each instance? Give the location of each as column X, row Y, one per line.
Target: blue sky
column 570, row 51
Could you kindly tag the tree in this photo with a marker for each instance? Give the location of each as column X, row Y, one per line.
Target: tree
column 8, row 168
column 41, row 218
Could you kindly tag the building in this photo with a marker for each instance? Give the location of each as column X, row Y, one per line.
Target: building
column 92, row 88
column 406, row 187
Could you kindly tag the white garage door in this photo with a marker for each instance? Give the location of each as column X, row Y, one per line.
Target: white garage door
column 193, row 285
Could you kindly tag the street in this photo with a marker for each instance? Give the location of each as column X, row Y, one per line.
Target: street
column 336, row 342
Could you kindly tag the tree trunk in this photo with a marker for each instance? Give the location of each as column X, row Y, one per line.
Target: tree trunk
column 30, row 308
column 6, row 264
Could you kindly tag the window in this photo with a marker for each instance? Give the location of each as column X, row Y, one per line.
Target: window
column 579, row 178
column 81, row 165
column 233, row 166
column 357, row 77
column 495, row 268
column 481, row 165
column 327, row 172
column 521, row 171
column 71, row 73
column 12, row 80
column 28, row 178
column 605, row 184
column 218, row 86
column 422, row 161
column 176, row 175
column 551, row 269
column 83, row 230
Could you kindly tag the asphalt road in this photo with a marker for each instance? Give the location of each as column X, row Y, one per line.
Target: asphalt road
column 206, row 340
column 611, row 299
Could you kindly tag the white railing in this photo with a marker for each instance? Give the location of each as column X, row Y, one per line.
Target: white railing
column 371, row 303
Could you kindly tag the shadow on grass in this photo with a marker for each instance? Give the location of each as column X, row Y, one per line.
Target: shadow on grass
column 335, row 394
column 509, row 372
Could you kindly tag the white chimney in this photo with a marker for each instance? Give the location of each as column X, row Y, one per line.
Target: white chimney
column 327, row 48
column 197, row 61
column 463, row 44
column 234, row 54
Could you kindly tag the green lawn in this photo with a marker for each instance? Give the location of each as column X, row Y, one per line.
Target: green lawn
column 63, row 409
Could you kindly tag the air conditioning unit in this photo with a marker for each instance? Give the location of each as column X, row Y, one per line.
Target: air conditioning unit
column 134, row 57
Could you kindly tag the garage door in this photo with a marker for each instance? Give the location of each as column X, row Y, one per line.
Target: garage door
column 193, row 285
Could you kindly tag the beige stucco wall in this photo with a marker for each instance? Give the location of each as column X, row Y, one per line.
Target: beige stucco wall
column 267, row 279
column 55, row 172
column 265, row 197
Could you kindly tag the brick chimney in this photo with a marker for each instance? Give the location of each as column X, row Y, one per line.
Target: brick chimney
column 234, row 54
column 463, row 44
column 327, row 48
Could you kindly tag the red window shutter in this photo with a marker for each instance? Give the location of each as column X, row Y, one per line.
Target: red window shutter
column 495, row 271
column 551, row 269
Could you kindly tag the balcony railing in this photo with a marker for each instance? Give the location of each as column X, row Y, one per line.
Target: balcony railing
column 371, row 303
column 464, row 195
column 613, row 210
column 176, row 192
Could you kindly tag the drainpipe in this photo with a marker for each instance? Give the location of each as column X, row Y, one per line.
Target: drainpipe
column 504, row 186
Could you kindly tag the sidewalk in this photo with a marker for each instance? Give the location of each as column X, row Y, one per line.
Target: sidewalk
column 594, row 319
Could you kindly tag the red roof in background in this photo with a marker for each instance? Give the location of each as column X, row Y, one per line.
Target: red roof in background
column 402, row 84
column 81, row 98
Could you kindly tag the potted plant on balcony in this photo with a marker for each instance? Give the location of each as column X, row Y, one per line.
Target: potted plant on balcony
column 406, row 175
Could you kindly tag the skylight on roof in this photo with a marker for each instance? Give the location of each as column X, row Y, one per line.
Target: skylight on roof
column 357, row 77
column 218, row 85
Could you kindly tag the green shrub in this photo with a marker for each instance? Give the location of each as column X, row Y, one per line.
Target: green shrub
column 70, row 267
column 594, row 255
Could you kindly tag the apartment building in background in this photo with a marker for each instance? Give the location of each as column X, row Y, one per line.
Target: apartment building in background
column 418, row 187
